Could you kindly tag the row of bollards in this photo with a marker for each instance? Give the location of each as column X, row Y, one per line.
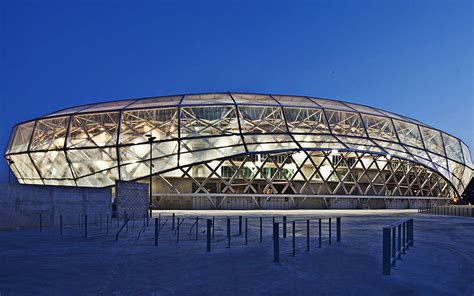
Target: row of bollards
column 397, row 238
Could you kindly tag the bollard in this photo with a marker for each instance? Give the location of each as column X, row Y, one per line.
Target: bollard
column 60, row 224
column 240, row 225
column 85, row 225
column 156, row 231
column 330, row 226
column 307, row 235
column 276, row 243
column 338, row 229
column 284, row 226
column 386, row 254
column 209, row 225
column 261, row 232
column 213, row 227
column 394, row 252
column 294, row 238
column 399, row 241
column 320, row 233
column 228, row 232
column 246, row 232
column 172, row 222
column 410, row 232
column 197, row 225
column 403, row 237
column 177, row 232
column 41, row 223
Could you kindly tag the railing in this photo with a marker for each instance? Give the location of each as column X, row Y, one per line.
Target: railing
column 463, row 211
column 397, row 238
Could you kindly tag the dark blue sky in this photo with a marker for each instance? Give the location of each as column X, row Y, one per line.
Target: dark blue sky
column 410, row 57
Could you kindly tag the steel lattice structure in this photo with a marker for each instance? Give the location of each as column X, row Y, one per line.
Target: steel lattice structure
column 235, row 143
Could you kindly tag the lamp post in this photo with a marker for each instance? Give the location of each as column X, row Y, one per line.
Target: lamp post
column 150, row 140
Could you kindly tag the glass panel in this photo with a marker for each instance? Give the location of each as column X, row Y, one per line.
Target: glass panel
column 359, row 144
column 136, row 170
column 22, row 137
column 408, row 133
column 108, row 106
column 432, row 139
column 206, row 155
column 365, row 109
column 221, row 98
column 306, row 120
column 137, row 153
column 418, row 152
column 439, row 160
column 345, row 123
column 208, row 143
column 50, row 134
column 70, row 110
column 261, row 120
column 88, row 161
column 453, row 147
column 269, row 142
column 467, row 155
column 156, row 102
column 325, row 103
column 456, row 169
column 204, row 121
column 254, row 99
column 105, row 178
column 52, row 164
column 295, row 101
column 93, row 130
column 466, row 177
column 161, row 123
column 379, row 127
column 24, row 165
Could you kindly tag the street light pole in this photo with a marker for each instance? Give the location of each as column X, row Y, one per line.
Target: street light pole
column 150, row 140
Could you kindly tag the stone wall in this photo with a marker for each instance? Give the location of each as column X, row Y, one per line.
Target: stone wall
column 21, row 205
column 131, row 198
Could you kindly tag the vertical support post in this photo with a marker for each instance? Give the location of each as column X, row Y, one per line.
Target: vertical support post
column 228, row 232
column 410, row 232
column 394, row 247
column 177, row 232
column 386, row 254
column 240, row 225
column 41, row 223
column 85, row 225
column 338, row 229
column 156, row 231
column 276, row 243
column 307, row 235
column 399, row 241
column 261, row 231
column 294, row 238
column 197, row 227
column 246, row 231
column 172, row 222
column 209, row 225
column 320, row 233
column 404, row 228
column 60, row 224
column 284, row 226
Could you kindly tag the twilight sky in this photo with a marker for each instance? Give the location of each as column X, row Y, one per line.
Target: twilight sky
column 415, row 58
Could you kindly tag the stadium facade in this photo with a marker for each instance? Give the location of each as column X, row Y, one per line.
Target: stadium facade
column 236, row 150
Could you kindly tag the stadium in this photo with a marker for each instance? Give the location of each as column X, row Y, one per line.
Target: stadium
column 245, row 151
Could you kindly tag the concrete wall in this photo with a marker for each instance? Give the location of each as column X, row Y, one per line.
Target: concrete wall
column 21, row 205
column 131, row 198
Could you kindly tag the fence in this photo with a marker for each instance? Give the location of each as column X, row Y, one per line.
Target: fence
column 463, row 211
column 397, row 238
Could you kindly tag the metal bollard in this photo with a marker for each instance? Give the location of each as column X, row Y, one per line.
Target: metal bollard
column 386, row 254
column 320, row 233
column 330, row 226
column 246, row 231
column 85, row 225
column 197, row 226
column 213, row 227
column 399, row 241
column 209, row 225
column 240, row 225
column 284, row 226
column 276, row 243
column 294, row 238
column 177, row 232
column 156, row 231
column 410, row 232
column 261, row 226
column 338, row 229
column 307, row 235
column 228, row 232
column 394, row 247
column 172, row 222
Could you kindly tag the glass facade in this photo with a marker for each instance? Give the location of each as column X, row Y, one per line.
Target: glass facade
column 241, row 143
